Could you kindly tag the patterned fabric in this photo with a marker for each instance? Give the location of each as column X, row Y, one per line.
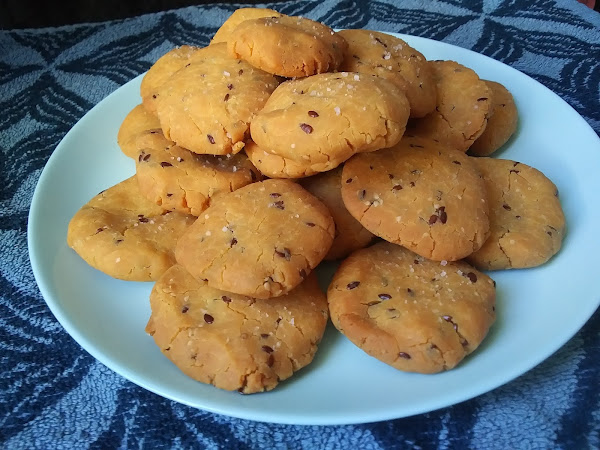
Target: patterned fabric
column 54, row 395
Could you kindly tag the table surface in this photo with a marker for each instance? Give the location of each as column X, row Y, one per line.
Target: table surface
column 54, row 394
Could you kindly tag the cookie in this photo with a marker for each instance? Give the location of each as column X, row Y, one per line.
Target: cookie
column 180, row 180
column 161, row 71
column 391, row 58
column 206, row 106
column 527, row 223
column 319, row 122
column 261, row 240
column 124, row 235
column 419, row 195
column 231, row 341
column 137, row 121
column 226, row 32
column 350, row 235
column 411, row 313
column 502, row 121
column 287, row 46
column 462, row 107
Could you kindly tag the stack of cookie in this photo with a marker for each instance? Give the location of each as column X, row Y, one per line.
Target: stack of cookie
column 284, row 143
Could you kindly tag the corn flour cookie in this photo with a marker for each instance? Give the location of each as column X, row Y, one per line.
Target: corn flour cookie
column 350, row 235
column 426, row 198
column 137, row 122
column 411, row 313
column 393, row 59
column 180, row 180
column 207, row 105
column 161, row 71
column 502, row 121
column 462, row 107
column 231, row 341
column 527, row 223
column 226, row 32
column 319, row 122
column 122, row 234
column 261, row 240
column 287, row 46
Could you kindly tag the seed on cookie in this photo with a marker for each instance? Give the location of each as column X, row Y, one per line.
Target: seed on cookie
column 426, row 321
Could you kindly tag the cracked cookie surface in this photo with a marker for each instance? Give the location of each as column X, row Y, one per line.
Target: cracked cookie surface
column 527, row 223
column 287, row 46
column 393, row 59
column 180, row 180
column 124, row 235
column 350, row 235
column 424, row 197
column 207, row 105
column 501, row 124
column 319, row 122
column 261, row 240
column 414, row 314
column 137, row 122
column 232, row 341
column 462, row 107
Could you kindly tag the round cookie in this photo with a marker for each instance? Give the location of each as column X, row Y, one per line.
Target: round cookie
column 527, row 223
column 261, row 240
column 350, row 235
column 393, row 59
column 411, row 313
column 226, row 32
column 287, row 46
column 319, row 122
column 462, row 107
column 231, row 341
column 502, row 121
column 124, row 235
column 207, row 105
column 180, row 180
column 424, row 197
column 161, row 71
column 137, row 121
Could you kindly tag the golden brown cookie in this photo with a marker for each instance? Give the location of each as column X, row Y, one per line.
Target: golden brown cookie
column 180, row 180
column 231, row 341
column 393, row 59
column 411, row 313
column 226, row 32
column 462, row 107
column 318, row 122
column 350, row 235
column 502, row 121
column 137, row 122
column 421, row 196
column 124, row 235
column 261, row 240
column 527, row 223
column 206, row 106
column 161, row 71
column 287, row 46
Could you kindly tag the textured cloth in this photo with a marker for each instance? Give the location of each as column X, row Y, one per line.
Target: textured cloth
column 53, row 394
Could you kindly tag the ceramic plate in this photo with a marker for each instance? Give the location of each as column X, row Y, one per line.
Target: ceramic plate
column 538, row 309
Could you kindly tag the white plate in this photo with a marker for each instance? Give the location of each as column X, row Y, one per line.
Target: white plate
column 538, row 309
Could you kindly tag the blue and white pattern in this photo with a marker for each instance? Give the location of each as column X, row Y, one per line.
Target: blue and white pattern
column 54, row 395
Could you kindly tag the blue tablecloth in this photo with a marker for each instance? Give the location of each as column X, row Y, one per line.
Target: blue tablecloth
column 55, row 395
